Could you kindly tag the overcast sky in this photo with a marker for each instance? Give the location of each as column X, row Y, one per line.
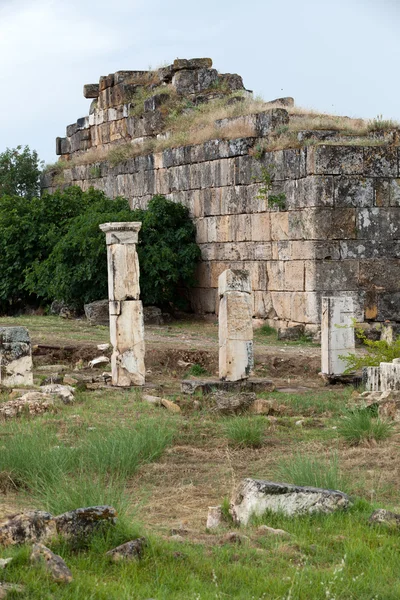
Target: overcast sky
column 340, row 56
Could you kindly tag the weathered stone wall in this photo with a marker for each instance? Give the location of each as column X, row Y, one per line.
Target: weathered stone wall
column 339, row 233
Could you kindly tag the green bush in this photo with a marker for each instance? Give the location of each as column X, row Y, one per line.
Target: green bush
column 19, row 172
column 52, row 248
column 377, row 351
column 360, row 426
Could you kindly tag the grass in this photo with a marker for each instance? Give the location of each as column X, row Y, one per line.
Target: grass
column 162, row 471
column 300, row 469
column 196, row 371
column 361, row 426
column 246, row 432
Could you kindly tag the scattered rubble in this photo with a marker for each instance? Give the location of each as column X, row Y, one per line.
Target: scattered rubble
column 54, row 564
column 99, row 362
column 214, row 517
column 27, row 527
column 79, row 523
column 128, row 551
column 385, row 517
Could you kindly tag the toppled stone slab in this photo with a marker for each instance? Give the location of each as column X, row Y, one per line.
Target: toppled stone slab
column 99, row 362
column 54, row 564
column 129, row 551
column 15, row 357
column 80, row 523
column 208, row 386
column 255, row 497
column 214, row 517
column 170, row 406
column 32, row 403
column 382, row 516
column 228, row 404
column 64, row 392
column 97, row 313
column 27, row 527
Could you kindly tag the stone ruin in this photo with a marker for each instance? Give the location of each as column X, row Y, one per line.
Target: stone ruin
column 15, row 357
column 336, row 234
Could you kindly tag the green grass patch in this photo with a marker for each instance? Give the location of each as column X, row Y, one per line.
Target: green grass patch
column 361, row 426
column 246, row 432
column 306, row 470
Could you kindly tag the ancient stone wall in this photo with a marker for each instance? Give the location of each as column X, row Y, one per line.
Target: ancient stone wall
column 338, row 233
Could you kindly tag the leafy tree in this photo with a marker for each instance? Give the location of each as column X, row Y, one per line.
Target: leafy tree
column 19, row 172
column 76, row 269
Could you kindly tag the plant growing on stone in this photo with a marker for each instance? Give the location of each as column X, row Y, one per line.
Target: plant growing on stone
column 377, row 351
column 273, row 200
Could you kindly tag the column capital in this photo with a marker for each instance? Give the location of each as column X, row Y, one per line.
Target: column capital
column 121, row 233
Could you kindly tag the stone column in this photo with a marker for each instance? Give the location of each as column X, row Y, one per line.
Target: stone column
column 337, row 333
column 126, row 311
column 15, row 357
column 390, row 376
column 235, row 325
column 372, row 379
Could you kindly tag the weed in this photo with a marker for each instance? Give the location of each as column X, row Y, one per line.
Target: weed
column 267, row 330
column 381, row 124
column 377, row 351
column 360, row 426
column 196, row 371
column 277, row 200
column 95, row 171
column 225, row 509
column 305, row 470
column 245, row 432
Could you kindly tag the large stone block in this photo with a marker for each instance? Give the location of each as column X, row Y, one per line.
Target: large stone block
column 294, row 275
column 258, row 125
column 357, row 192
column 189, row 82
column 331, row 275
column 381, row 274
column 279, row 222
column 91, row 90
column 335, row 160
column 276, row 275
column 127, row 338
column 314, row 250
column 15, row 357
column 263, row 306
column 123, row 269
column 180, row 64
column 311, row 191
column 233, row 280
column 286, row 164
column 379, row 224
column 322, row 224
column 387, row 307
column 381, row 161
column 337, row 333
column 390, row 376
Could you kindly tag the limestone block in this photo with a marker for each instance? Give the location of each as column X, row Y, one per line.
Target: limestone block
column 234, row 200
column 203, row 275
column 147, row 124
column 286, row 164
column 357, row 192
column 192, row 63
column 258, row 125
column 294, row 275
column 381, row 161
column 378, row 223
column 223, row 172
column 279, row 225
column 388, row 306
column 121, row 233
column 254, row 497
column 15, row 357
column 262, row 251
column 216, row 268
column 331, row 275
column 372, row 379
column 235, row 317
column 276, row 275
column 390, row 376
column 123, row 269
column 381, row 274
column 281, row 250
column 234, row 281
column 243, row 231
column 368, row 249
column 204, row 301
column 263, row 307
column 337, row 333
column 335, row 160
column 247, row 170
column 235, row 360
column 127, row 338
column 201, row 231
column 91, row 90
column 304, row 307
column 311, row 191
column 260, row 227
column 322, row 224
column 315, row 250
column 188, row 81
column 106, row 81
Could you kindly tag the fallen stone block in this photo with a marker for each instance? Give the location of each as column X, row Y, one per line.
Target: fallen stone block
column 54, row 564
column 129, row 551
column 208, row 386
column 152, row 315
column 270, row 531
column 261, row 406
column 15, row 357
column 214, row 517
column 229, row 404
column 254, row 497
column 27, row 527
column 290, row 333
column 99, row 361
column 385, row 517
column 169, row 405
column 97, row 313
column 82, row 522
column 65, row 392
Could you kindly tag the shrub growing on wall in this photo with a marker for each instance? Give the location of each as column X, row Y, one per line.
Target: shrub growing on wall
column 75, row 271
